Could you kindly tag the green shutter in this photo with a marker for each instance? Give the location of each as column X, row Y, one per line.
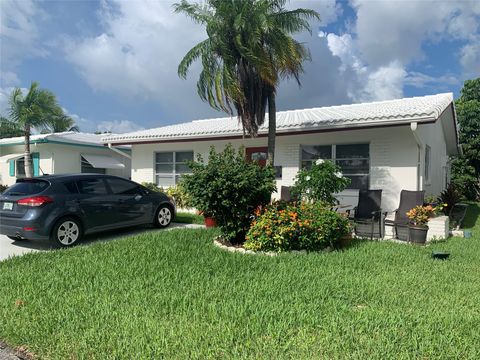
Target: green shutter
column 36, row 163
column 12, row 167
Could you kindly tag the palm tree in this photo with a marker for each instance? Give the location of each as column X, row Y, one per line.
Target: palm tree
column 31, row 111
column 248, row 50
column 9, row 128
column 60, row 123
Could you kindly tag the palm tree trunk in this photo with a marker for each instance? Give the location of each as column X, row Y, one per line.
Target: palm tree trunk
column 28, row 164
column 272, row 127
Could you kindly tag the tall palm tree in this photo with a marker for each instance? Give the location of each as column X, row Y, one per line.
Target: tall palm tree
column 248, row 50
column 9, row 128
column 60, row 123
column 32, row 110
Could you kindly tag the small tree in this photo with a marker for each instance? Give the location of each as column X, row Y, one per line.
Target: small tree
column 320, row 182
column 466, row 169
column 229, row 188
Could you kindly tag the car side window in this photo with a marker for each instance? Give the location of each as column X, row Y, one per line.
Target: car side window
column 70, row 187
column 123, row 187
column 92, row 187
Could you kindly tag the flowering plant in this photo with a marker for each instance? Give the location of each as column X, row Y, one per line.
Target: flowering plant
column 296, row 226
column 320, row 182
column 420, row 214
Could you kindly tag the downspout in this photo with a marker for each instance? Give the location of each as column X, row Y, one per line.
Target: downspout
column 119, row 151
column 413, row 127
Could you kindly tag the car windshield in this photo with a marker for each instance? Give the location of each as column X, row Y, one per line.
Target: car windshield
column 27, row 187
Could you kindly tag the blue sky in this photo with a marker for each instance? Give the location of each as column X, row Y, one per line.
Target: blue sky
column 112, row 64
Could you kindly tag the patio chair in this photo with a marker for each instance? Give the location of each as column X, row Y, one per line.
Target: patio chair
column 368, row 217
column 285, row 194
column 408, row 200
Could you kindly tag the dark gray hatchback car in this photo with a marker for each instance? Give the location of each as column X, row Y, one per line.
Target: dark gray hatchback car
column 63, row 208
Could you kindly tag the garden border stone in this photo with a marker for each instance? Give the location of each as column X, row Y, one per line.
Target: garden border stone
column 241, row 250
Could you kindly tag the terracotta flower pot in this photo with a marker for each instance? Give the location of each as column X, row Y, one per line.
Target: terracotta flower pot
column 417, row 233
column 210, row 222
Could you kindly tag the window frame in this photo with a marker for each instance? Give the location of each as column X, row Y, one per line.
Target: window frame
column 101, row 171
column 22, row 161
column 173, row 174
column 334, row 159
column 101, row 179
column 427, row 171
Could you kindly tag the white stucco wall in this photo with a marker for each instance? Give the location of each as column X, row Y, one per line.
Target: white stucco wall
column 393, row 158
column 433, row 136
column 60, row 159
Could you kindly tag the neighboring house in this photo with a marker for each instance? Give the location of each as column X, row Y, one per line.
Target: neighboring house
column 61, row 153
column 389, row 145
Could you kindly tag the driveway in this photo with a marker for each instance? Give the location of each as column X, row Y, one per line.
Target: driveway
column 9, row 248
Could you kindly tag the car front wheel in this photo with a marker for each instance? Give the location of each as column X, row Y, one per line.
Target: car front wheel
column 164, row 216
column 67, row 232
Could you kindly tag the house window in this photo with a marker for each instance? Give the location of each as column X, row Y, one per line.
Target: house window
column 20, row 167
column 89, row 169
column 353, row 159
column 170, row 166
column 427, row 163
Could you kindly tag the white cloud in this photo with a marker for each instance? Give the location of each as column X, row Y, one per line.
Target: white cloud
column 118, row 126
column 470, row 58
column 137, row 54
column 420, row 80
column 397, row 30
column 388, row 37
column 19, row 31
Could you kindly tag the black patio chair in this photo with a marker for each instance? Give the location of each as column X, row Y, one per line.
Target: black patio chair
column 368, row 217
column 408, row 200
column 285, row 194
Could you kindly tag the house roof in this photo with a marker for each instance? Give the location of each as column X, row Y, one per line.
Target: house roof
column 425, row 108
column 66, row 138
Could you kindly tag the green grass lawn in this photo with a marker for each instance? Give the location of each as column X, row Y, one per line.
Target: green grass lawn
column 189, row 218
column 174, row 295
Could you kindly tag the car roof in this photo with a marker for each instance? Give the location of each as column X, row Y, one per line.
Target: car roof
column 73, row 176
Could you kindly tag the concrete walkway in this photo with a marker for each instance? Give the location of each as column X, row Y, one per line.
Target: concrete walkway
column 9, row 248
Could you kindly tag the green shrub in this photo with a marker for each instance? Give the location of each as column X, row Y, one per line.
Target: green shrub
column 3, row 188
column 320, row 182
column 450, row 196
column 229, row 188
column 178, row 194
column 306, row 226
column 152, row 187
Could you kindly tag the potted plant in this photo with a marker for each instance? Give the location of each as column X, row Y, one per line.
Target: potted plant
column 419, row 217
column 209, row 219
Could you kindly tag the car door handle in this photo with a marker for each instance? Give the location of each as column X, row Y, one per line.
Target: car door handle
column 138, row 197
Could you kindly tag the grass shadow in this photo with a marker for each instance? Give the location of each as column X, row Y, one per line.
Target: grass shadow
column 353, row 244
column 472, row 217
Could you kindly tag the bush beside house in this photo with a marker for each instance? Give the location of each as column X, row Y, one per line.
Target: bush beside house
column 296, row 226
column 229, row 189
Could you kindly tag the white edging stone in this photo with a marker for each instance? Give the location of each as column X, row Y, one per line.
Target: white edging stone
column 251, row 252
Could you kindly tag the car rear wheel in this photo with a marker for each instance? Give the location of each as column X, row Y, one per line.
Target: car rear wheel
column 67, row 232
column 163, row 217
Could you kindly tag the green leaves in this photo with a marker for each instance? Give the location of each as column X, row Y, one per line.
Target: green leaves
column 320, row 182
column 466, row 169
column 249, row 48
column 38, row 109
column 285, row 227
column 229, row 189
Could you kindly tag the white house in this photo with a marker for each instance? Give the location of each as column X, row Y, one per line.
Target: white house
column 60, row 153
column 389, row 145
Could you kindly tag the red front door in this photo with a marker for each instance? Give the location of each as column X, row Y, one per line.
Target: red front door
column 258, row 154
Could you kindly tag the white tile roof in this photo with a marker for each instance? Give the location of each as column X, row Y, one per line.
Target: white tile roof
column 69, row 137
column 423, row 108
